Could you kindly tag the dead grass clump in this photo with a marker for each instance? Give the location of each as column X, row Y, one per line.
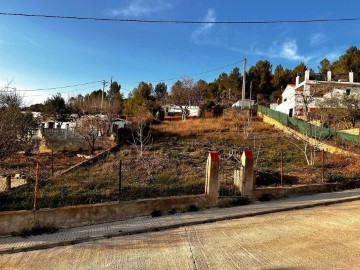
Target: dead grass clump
column 338, row 161
column 354, row 166
column 190, row 127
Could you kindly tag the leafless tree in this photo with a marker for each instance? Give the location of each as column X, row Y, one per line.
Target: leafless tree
column 307, row 142
column 16, row 128
column 90, row 127
column 340, row 109
column 141, row 130
column 184, row 94
column 92, row 106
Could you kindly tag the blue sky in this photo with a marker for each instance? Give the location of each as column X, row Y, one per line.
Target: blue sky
column 44, row 53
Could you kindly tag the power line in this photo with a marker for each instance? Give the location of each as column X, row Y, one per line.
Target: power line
column 171, row 79
column 176, row 21
column 200, row 73
column 58, row 87
column 196, row 74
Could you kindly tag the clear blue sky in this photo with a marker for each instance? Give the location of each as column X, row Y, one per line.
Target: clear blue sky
column 43, row 53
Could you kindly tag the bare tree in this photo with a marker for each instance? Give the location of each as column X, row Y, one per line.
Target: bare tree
column 92, row 106
column 307, row 141
column 16, row 128
column 340, row 108
column 185, row 93
column 90, row 127
column 141, row 129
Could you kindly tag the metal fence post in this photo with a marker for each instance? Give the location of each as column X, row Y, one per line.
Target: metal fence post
column 8, row 182
column 52, row 163
column 119, row 194
column 323, row 167
column 281, row 168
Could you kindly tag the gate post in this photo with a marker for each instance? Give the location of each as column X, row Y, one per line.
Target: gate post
column 246, row 177
column 212, row 175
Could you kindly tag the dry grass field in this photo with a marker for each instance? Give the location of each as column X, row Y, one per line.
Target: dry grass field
column 173, row 163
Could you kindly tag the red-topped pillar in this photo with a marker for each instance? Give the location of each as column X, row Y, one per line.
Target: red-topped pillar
column 212, row 175
column 247, row 174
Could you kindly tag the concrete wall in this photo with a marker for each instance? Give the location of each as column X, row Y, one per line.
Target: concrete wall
column 279, row 192
column 72, row 216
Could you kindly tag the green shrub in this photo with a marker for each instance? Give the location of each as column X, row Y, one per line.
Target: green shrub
column 335, row 177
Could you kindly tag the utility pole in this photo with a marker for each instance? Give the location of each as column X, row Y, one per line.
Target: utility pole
column 243, row 86
column 110, row 87
column 102, row 94
column 250, row 91
column 229, row 96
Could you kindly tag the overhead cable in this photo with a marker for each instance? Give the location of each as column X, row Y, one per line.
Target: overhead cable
column 176, row 21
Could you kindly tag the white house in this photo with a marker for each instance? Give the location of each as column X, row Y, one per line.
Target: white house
column 247, row 103
column 176, row 110
column 305, row 96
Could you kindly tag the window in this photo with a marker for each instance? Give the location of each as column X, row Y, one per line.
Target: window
column 348, row 92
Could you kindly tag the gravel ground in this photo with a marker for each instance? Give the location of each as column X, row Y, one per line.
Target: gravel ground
column 317, row 238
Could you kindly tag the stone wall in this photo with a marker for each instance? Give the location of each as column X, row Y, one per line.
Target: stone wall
column 66, row 139
column 60, row 139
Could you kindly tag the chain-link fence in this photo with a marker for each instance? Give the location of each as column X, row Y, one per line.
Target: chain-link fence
column 117, row 176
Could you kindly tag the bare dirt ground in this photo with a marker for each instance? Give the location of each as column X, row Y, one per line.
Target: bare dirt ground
column 316, row 238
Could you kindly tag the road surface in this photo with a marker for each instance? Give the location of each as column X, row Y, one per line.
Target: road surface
column 326, row 237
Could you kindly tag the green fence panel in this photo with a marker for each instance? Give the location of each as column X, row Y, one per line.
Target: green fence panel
column 320, row 132
column 303, row 127
column 307, row 128
column 293, row 122
column 284, row 119
column 354, row 139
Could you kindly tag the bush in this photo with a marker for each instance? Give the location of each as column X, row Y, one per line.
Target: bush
column 335, row 177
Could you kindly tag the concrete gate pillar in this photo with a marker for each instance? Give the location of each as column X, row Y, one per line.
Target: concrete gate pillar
column 245, row 178
column 212, row 175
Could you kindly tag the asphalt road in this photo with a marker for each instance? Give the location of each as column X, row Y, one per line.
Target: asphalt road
column 325, row 237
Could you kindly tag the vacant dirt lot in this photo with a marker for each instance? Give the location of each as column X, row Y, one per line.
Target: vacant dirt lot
column 174, row 164
column 317, row 238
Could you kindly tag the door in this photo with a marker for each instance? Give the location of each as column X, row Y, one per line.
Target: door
column 291, row 112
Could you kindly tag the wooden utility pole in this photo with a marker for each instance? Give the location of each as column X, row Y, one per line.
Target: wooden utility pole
column 243, row 86
column 36, row 184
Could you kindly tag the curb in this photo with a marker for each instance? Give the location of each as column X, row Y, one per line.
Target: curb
column 174, row 226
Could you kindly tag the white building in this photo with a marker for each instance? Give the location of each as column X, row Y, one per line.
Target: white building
column 248, row 103
column 176, row 110
column 305, row 96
